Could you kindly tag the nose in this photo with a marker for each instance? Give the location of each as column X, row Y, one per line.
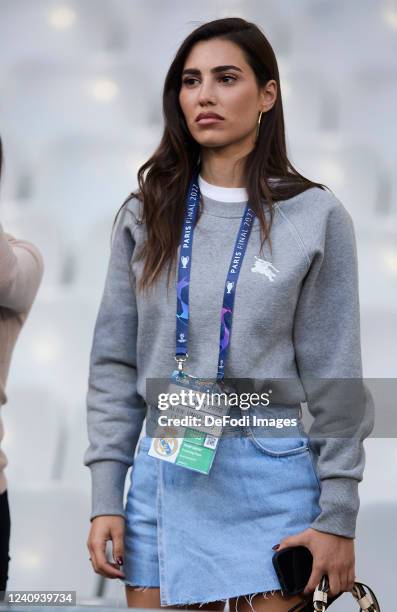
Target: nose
column 206, row 93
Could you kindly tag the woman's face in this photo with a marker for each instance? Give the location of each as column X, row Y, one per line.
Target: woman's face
column 232, row 93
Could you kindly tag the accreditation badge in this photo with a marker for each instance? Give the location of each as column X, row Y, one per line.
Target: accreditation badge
column 195, row 421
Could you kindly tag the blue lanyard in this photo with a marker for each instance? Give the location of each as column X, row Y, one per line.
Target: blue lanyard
column 184, row 266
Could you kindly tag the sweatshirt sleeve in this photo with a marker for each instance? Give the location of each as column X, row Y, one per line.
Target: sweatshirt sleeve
column 328, row 356
column 21, row 272
column 115, row 411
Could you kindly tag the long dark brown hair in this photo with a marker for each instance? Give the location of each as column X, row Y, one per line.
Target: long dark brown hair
column 164, row 178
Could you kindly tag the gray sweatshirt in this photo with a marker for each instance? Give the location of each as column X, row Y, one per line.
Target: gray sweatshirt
column 300, row 320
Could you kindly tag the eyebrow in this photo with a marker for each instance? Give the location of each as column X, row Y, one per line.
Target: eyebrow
column 213, row 70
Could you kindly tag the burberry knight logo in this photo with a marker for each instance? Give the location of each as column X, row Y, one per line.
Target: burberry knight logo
column 265, row 267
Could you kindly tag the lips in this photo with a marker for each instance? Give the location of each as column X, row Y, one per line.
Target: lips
column 208, row 116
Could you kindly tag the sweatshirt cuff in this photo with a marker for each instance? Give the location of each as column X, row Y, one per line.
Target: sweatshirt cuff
column 107, row 493
column 339, row 503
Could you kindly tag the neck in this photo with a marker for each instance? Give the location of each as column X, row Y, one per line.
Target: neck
column 221, row 168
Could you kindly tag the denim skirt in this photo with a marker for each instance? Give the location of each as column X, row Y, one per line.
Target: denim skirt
column 209, row 537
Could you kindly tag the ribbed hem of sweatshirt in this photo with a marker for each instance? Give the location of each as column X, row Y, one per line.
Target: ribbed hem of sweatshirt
column 339, row 503
column 107, row 480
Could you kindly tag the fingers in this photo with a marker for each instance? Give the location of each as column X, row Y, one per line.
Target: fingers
column 334, row 583
column 299, row 539
column 351, row 578
column 337, row 582
column 333, row 556
column 317, row 573
column 346, row 580
column 101, row 564
column 97, row 546
column 118, row 544
column 342, row 579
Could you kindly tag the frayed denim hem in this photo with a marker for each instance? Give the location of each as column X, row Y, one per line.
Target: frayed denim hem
column 248, row 598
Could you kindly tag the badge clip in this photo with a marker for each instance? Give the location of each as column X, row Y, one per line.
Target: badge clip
column 181, row 359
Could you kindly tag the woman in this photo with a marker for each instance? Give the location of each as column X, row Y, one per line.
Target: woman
column 187, row 538
column 21, row 272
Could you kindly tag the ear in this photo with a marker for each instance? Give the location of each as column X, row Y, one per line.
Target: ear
column 268, row 96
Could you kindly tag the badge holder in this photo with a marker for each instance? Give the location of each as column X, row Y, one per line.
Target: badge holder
column 194, row 446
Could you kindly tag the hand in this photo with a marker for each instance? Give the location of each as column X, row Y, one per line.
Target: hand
column 332, row 555
column 104, row 528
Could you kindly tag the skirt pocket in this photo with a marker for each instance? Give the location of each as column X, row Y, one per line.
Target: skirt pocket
column 271, row 441
column 279, row 447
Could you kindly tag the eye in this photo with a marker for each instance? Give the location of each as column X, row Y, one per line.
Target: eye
column 224, row 76
column 187, row 79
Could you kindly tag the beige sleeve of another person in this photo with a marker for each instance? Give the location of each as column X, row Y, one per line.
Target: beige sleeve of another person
column 21, row 272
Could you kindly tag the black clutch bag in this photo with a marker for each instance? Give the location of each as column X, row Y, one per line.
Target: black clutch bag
column 293, row 566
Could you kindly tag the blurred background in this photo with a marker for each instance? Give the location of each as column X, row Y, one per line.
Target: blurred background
column 80, row 110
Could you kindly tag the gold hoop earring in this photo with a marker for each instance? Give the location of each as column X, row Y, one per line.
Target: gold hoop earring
column 258, row 125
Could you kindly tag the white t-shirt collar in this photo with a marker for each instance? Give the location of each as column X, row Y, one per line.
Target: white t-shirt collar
column 225, row 194
column 222, row 194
